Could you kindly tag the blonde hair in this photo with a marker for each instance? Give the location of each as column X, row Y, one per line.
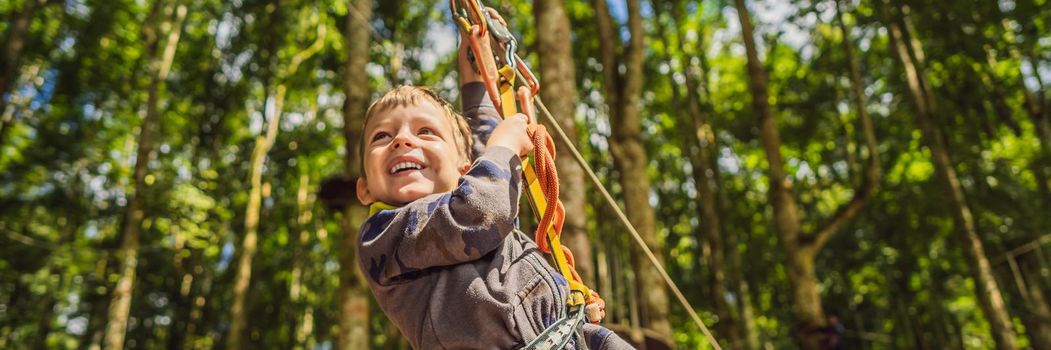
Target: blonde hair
column 407, row 95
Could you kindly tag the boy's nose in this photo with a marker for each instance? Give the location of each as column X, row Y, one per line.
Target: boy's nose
column 402, row 140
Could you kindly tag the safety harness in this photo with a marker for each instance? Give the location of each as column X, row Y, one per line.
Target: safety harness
column 500, row 67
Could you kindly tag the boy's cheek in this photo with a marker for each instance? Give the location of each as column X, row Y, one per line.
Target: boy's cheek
column 374, row 168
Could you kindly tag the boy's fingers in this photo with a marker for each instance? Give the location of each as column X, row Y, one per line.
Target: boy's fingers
column 519, row 119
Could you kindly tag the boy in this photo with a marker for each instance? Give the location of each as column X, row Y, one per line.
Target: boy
column 440, row 250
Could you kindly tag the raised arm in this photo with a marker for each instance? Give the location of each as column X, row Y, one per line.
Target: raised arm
column 477, row 107
column 480, row 113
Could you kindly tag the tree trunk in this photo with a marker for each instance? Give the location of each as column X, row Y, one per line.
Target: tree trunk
column 698, row 76
column 263, row 143
column 560, row 95
column 1036, row 314
column 989, row 294
column 799, row 248
column 806, row 302
column 353, row 293
column 603, row 276
column 301, row 326
column 741, row 288
column 874, row 168
column 699, row 144
column 243, row 272
column 159, row 64
column 623, row 97
column 97, row 296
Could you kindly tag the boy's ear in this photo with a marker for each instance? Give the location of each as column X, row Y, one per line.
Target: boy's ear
column 363, row 192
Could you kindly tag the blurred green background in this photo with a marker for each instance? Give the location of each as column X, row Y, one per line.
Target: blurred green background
column 855, row 174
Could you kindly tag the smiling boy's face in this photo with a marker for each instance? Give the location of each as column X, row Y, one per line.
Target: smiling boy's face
column 410, row 152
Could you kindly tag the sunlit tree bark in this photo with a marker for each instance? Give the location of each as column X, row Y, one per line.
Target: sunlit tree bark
column 623, row 93
column 801, row 248
column 159, row 65
column 559, row 93
column 302, row 325
column 263, row 143
column 353, row 293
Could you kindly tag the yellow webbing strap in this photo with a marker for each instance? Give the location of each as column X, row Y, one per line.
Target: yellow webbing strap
column 378, row 207
column 578, row 291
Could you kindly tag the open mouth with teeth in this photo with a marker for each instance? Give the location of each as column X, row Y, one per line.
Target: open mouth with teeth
column 404, row 167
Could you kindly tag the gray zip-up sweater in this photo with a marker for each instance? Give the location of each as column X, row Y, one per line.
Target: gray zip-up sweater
column 452, row 270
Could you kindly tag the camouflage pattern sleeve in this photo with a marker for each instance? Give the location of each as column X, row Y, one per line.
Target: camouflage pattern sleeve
column 480, row 113
column 445, row 228
column 601, row 338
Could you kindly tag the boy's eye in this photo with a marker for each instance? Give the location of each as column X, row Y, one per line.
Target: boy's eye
column 425, row 131
column 379, row 136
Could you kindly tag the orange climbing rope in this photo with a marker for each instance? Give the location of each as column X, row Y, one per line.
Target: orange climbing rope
column 542, row 182
column 554, row 215
column 541, row 175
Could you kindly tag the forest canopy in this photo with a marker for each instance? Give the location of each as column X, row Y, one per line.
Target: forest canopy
column 813, row 174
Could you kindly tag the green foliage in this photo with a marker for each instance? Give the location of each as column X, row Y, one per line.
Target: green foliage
column 895, row 276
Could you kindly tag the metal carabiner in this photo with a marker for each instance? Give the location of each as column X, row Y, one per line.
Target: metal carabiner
column 506, row 42
column 499, row 31
column 527, row 75
column 474, row 13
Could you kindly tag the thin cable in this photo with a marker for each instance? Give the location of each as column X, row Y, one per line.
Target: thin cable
column 627, row 223
column 361, row 17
